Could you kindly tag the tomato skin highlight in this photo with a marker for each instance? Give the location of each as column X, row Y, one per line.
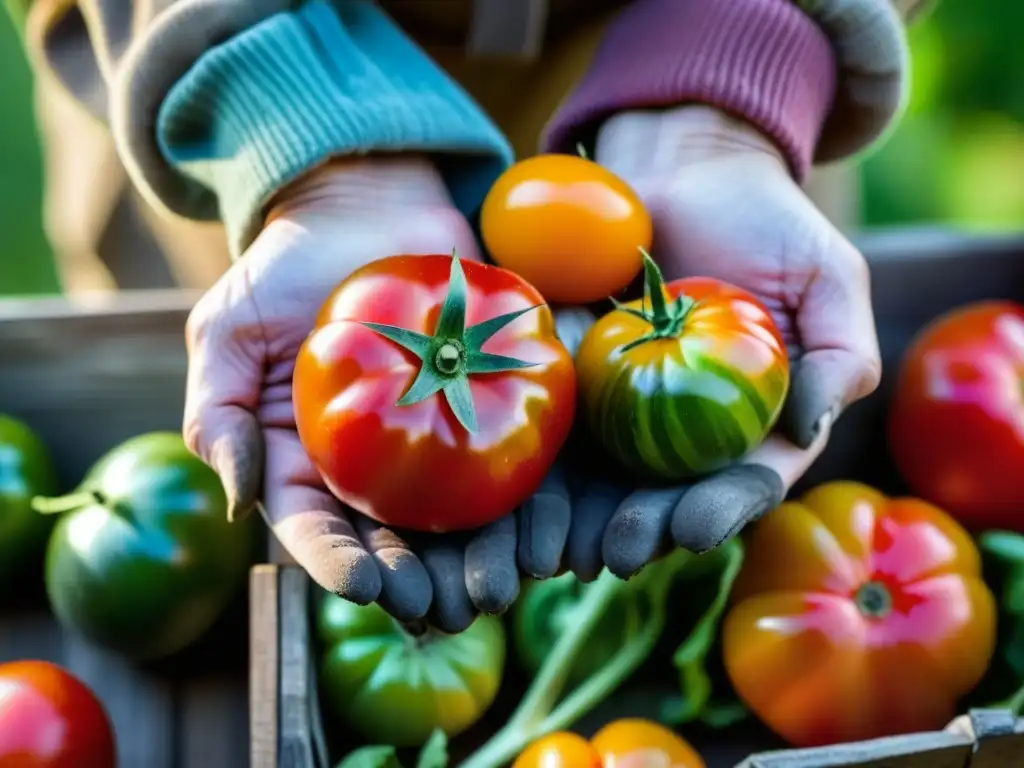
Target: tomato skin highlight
column 569, row 226
column 416, row 466
column 691, row 403
column 626, row 743
column 50, row 719
column 562, row 749
column 857, row 616
column 637, row 743
column 956, row 422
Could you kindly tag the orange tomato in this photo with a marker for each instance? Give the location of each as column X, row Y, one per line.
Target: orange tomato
column 636, row 743
column 559, row 750
column 857, row 616
column 568, row 226
column 628, row 743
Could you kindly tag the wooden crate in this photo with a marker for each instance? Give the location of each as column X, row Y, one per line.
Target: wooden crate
column 86, row 375
column 916, row 275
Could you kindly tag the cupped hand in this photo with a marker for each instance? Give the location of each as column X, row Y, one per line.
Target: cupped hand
column 725, row 205
column 243, row 337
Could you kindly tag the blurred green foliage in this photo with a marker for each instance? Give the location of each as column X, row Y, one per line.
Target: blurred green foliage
column 957, row 155
column 26, row 263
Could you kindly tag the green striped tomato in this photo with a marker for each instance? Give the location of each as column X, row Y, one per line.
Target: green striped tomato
column 686, row 381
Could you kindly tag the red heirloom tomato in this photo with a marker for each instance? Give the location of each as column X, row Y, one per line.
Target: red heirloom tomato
column 956, row 423
column 433, row 394
column 857, row 616
column 686, row 381
column 49, row 719
column 568, row 225
column 628, row 743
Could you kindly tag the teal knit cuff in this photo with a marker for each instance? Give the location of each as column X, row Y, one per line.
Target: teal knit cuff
column 328, row 79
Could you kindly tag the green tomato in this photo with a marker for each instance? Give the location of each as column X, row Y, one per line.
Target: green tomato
column 26, row 470
column 684, row 381
column 143, row 559
column 394, row 688
column 544, row 612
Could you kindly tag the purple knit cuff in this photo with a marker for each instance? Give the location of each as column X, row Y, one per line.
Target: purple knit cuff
column 761, row 60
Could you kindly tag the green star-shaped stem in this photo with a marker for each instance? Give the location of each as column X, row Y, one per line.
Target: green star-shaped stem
column 665, row 318
column 453, row 353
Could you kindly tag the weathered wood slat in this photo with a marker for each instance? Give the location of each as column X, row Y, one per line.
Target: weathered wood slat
column 264, row 666
column 295, row 695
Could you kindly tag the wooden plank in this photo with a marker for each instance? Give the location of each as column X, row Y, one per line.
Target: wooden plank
column 296, row 699
column 264, row 666
column 998, row 736
column 100, row 372
column 919, row 750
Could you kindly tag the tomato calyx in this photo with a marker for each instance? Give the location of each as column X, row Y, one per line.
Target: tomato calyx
column 454, row 352
column 665, row 318
column 873, row 599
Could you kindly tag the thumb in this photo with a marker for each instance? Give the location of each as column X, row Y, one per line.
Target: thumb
column 840, row 361
column 225, row 373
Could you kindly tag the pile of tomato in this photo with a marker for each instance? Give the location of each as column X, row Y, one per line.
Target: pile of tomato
column 434, row 395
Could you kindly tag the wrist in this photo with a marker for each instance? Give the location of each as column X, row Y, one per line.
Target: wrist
column 683, row 136
column 364, row 184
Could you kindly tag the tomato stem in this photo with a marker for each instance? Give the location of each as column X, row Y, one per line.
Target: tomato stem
column 666, row 318
column 60, row 504
column 448, row 359
column 537, row 714
column 873, row 599
column 453, row 352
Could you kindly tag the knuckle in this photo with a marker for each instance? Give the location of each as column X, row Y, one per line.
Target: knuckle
column 444, row 228
column 870, row 374
column 852, row 265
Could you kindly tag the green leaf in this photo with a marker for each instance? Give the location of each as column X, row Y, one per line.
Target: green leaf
column 691, row 656
column 1013, row 592
column 423, row 386
column 482, row 362
column 460, row 398
column 435, row 752
column 371, row 757
column 477, row 335
column 451, row 323
column 416, row 343
column 620, row 307
column 1005, row 545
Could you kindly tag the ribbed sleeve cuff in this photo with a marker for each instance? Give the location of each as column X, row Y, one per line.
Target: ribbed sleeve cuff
column 761, row 60
column 328, row 79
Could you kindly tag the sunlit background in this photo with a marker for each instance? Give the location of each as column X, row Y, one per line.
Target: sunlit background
column 957, row 156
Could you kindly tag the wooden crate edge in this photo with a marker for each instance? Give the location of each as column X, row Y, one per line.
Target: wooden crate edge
column 285, row 729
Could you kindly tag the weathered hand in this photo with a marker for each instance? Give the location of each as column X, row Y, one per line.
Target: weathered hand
column 724, row 205
column 243, row 337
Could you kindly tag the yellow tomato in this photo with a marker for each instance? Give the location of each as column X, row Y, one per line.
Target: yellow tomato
column 628, row 743
column 568, row 226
